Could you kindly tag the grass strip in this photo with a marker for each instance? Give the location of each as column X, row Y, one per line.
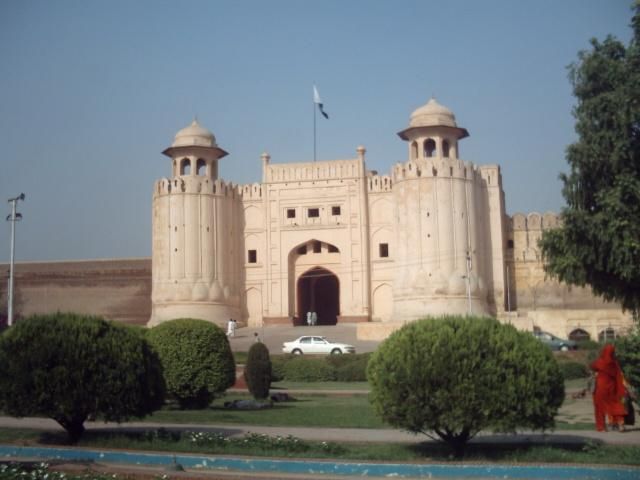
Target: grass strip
column 161, row 440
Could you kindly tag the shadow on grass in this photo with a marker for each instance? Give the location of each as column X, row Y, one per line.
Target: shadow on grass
column 500, row 448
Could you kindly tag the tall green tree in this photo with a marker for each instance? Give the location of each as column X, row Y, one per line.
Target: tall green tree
column 599, row 241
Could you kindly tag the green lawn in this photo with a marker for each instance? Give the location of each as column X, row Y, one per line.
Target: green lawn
column 351, row 411
column 309, row 410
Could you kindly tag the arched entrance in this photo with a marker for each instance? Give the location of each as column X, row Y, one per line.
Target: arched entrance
column 318, row 291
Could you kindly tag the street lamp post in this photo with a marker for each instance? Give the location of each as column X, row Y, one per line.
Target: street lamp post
column 13, row 218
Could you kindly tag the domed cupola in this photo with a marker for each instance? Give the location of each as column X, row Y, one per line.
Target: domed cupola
column 433, row 131
column 194, row 134
column 195, row 152
column 432, row 115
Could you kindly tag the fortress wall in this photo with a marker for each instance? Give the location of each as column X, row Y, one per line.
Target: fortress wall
column 530, row 288
column 117, row 289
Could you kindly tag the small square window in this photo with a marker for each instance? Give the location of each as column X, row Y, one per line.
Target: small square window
column 384, row 250
column 335, row 211
column 509, row 244
column 252, row 256
column 302, row 250
column 291, row 213
column 317, row 247
column 314, row 212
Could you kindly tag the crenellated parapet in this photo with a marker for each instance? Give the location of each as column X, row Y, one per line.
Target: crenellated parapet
column 327, row 170
column 379, row 183
column 491, row 175
column 195, row 184
column 525, row 233
column 434, row 167
column 251, row 191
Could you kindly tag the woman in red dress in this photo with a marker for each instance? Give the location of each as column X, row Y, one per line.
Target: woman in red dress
column 608, row 398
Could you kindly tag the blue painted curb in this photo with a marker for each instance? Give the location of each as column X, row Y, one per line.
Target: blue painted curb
column 315, row 467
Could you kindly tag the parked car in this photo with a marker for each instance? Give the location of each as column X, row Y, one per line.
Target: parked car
column 316, row 345
column 555, row 343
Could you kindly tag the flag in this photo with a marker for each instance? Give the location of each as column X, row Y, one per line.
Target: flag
column 317, row 101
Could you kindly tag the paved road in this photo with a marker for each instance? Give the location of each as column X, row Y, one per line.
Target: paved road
column 274, row 336
column 630, row 437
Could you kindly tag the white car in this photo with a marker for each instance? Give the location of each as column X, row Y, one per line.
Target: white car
column 316, row 345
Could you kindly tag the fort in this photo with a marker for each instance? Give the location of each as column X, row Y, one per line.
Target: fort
column 430, row 237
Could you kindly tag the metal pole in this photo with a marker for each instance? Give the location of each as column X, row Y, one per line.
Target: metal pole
column 314, row 131
column 13, row 218
column 13, row 241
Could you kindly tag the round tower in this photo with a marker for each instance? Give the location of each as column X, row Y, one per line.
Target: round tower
column 192, row 254
column 437, row 198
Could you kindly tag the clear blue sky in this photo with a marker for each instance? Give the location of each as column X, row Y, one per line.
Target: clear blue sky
column 92, row 91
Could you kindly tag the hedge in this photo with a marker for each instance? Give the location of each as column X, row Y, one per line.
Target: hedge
column 341, row 368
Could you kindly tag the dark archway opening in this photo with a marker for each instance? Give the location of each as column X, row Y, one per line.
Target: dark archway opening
column 579, row 335
column 318, row 291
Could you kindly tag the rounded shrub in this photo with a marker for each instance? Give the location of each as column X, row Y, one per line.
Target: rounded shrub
column 71, row 368
column 196, row 360
column 573, row 370
column 628, row 354
column 257, row 371
column 303, row 369
column 455, row 376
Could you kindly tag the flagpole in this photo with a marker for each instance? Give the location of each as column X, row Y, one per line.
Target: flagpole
column 314, row 130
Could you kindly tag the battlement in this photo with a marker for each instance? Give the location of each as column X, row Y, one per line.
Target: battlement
column 434, row 167
column 251, row 191
column 524, row 232
column 379, row 183
column 310, row 171
column 535, row 221
column 196, row 184
column 491, row 174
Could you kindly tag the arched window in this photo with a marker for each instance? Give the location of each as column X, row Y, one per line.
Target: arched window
column 607, row 335
column 201, row 167
column 414, row 150
column 579, row 335
column 429, row 148
column 185, row 166
column 445, row 149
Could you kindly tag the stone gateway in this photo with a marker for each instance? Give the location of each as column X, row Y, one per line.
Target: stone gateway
column 334, row 240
